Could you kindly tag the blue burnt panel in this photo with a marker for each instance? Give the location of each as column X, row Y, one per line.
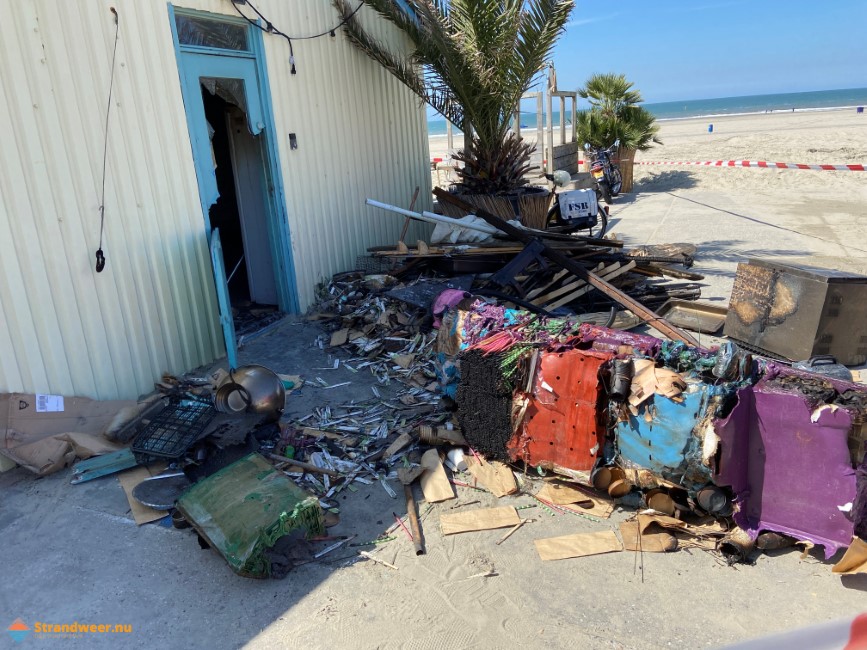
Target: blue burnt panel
column 667, row 445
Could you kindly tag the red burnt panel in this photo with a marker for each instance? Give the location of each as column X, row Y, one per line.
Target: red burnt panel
column 563, row 423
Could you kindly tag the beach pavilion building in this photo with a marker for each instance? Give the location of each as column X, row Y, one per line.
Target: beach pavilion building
column 229, row 150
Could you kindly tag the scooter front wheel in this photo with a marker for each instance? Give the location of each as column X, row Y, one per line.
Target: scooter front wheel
column 617, row 185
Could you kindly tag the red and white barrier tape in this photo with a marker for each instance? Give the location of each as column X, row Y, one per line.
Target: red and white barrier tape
column 755, row 163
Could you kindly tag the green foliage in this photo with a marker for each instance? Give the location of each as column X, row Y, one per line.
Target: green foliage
column 471, row 60
column 615, row 114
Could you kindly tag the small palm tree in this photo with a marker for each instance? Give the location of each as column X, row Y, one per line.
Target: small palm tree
column 471, row 60
column 615, row 114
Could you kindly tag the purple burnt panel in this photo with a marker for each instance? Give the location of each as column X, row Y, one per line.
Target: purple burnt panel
column 790, row 474
column 859, row 507
column 611, row 340
column 734, row 433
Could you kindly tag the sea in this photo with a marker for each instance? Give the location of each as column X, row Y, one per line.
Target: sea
column 820, row 100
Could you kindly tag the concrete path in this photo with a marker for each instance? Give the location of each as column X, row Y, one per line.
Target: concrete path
column 73, row 553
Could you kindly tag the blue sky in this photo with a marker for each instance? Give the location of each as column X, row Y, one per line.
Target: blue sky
column 676, row 50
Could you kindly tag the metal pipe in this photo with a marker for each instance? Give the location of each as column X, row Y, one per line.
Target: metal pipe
column 430, row 217
column 413, row 519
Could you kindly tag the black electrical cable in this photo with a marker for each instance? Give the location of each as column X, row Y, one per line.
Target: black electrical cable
column 100, row 256
column 269, row 28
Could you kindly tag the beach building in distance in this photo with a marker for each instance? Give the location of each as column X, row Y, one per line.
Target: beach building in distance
column 241, row 142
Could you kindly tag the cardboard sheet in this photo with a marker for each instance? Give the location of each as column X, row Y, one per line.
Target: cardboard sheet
column 711, row 527
column 434, row 482
column 402, row 441
column 578, row 545
column 703, row 535
column 650, row 380
column 652, row 538
column 46, row 441
column 561, row 494
column 403, row 360
column 854, row 560
column 340, row 337
column 494, row 476
column 50, row 454
column 129, row 480
column 480, row 519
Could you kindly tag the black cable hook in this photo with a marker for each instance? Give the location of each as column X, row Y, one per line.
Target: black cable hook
column 100, row 256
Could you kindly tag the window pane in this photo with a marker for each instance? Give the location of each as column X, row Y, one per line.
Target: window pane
column 231, row 90
column 193, row 30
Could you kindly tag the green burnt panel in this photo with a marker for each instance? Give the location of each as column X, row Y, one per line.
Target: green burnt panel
column 243, row 510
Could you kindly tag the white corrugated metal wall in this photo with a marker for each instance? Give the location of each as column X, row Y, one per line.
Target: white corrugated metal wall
column 360, row 134
column 65, row 329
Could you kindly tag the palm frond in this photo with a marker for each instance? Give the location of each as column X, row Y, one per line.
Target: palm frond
column 471, row 60
column 614, row 114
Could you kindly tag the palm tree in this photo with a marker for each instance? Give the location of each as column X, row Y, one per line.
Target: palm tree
column 471, row 60
column 615, row 114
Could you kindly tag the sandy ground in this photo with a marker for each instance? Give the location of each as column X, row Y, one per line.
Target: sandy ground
column 805, row 216
column 73, row 553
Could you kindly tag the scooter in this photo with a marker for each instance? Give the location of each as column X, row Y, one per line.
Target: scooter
column 575, row 210
column 604, row 170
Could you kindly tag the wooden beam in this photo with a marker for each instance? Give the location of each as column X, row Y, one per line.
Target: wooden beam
column 566, row 288
column 649, row 316
column 559, row 276
column 587, row 288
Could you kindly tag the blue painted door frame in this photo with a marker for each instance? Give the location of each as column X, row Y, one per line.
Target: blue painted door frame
column 196, row 62
column 199, row 66
column 226, row 320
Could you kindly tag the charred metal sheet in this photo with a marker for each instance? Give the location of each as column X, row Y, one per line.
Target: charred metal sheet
column 666, row 437
column 789, row 465
column 423, row 293
column 799, row 312
column 563, row 423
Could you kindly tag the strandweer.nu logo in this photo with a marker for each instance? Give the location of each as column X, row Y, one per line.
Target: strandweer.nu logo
column 19, row 630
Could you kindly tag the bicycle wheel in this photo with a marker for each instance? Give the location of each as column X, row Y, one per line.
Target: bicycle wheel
column 601, row 226
column 553, row 215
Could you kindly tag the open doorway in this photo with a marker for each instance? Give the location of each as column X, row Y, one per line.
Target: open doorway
column 241, row 211
column 224, row 83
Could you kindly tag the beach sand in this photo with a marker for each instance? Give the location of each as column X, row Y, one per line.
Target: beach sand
column 803, row 216
column 684, row 599
column 468, row 591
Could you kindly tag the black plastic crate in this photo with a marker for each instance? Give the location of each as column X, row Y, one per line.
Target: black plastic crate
column 171, row 432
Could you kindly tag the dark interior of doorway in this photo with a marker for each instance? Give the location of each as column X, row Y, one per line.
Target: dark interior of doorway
column 249, row 316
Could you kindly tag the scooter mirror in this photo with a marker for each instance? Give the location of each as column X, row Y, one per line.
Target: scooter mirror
column 617, row 143
column 586, row 146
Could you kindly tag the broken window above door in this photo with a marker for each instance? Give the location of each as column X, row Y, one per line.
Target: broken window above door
column 203, row 32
